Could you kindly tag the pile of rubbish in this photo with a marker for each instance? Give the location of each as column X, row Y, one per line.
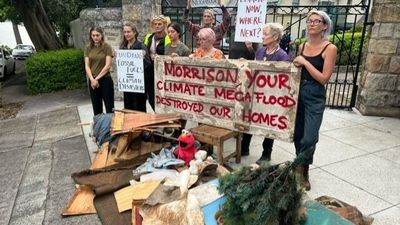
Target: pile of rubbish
column 145, row 174
column 139, row 177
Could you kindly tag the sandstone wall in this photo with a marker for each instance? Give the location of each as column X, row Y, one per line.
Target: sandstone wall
column 379, row 86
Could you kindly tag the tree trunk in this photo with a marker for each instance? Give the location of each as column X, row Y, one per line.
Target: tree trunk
column 16, row 33
column 37, row 25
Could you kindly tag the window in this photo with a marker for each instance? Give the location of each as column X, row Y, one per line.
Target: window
column 328, row 6
column 295, row 3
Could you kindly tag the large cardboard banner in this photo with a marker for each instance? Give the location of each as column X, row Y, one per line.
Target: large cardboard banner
column 254, row 97
column 250, row 20
column 130, row 70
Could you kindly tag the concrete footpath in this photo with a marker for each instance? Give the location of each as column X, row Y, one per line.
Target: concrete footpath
column 357, row 160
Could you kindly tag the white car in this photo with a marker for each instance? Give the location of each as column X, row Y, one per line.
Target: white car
column 7, row 63
column 23, row 51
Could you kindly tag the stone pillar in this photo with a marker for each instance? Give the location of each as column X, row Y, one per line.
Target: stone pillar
column 107, row 18
column 379, row 93
column 140, row 12
column 110, row 20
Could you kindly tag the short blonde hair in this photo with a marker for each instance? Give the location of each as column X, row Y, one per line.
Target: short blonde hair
column 165, row 19
column 209, row 11
column 275, row 28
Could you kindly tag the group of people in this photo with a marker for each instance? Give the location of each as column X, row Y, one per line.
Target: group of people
column 316, row 59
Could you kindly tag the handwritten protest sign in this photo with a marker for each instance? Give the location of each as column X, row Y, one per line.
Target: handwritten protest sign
column 130, row 70
column 250, row 20
column 255, row 97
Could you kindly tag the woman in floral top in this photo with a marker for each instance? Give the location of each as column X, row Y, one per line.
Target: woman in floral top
column 206, row 49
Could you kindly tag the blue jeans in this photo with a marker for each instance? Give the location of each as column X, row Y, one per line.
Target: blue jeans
column 311, row 106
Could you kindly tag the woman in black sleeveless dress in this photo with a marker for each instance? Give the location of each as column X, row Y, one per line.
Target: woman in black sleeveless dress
column 317, row 60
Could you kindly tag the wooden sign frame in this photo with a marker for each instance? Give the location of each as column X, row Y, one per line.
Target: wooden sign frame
column 256, row 97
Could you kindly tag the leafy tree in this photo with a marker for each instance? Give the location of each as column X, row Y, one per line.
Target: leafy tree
column 34, row 17
column 8, row 12
column 17, row 35
column 62, row 12
column 37, row 24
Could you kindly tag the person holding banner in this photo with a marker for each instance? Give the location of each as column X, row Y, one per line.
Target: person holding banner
column 208, row 22
column 155, row 43
column 317, row 60
column 176, row 47
column 98, row 59
column 206, row 49
column 133, row 100
column 245, row 50
column 272, row 35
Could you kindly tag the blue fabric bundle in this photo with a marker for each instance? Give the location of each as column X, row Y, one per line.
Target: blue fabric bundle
column 102, row 128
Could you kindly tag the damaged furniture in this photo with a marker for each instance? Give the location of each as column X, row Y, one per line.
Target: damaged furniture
column 217, row 136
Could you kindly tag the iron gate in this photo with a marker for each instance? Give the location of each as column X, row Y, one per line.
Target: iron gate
column 349, row 35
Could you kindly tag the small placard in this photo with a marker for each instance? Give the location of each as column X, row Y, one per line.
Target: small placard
column 130, row 70
column 250, row 20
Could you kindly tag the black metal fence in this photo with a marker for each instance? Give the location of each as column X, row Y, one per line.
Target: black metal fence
column 349, row 35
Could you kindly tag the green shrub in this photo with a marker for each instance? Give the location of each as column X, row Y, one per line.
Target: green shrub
column 55, row 70
column 348, row 47
column 359, row 27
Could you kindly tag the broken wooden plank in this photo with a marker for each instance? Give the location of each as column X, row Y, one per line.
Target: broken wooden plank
column 127, row 122
column 81, row 202
column 100, row 160
column 117, row 122
column 137, row 192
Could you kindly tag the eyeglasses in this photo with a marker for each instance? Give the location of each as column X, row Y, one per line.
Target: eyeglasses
column 315, row 22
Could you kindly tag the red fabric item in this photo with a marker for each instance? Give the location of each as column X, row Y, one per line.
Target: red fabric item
column 138, row 217
column 186, row 149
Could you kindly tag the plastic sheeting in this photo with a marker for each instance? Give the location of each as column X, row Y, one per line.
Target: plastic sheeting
column 165, row 159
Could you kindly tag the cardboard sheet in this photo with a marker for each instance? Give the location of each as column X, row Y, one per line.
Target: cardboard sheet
column 137, row 192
